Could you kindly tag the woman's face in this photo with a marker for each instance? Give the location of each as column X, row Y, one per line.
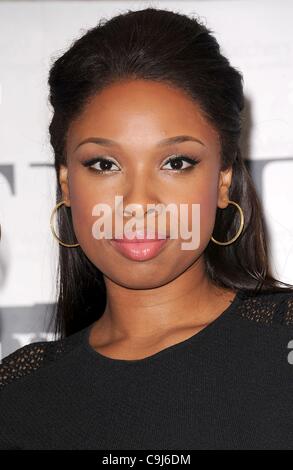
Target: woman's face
column 137, row 116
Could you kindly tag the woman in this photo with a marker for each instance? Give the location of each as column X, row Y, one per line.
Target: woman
column 159, row 347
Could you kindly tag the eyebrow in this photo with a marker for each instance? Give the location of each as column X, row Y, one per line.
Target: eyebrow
column 169, row 140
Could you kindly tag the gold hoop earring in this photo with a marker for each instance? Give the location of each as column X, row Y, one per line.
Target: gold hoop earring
column 239, row 230
column 53, row 230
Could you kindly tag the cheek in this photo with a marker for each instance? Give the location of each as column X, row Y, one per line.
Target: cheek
column 206, row 196
column 81, row 209
column 84, row 196
column 208, row 209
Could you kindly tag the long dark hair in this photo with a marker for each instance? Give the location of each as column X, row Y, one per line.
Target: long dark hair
column 169, row 47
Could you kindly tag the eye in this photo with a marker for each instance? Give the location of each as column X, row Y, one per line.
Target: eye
column 179, row 160
column 104, row 163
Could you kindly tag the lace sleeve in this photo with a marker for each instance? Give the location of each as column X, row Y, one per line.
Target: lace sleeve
column 289, row 310
column 28, row 359
column 22, row 362
column 268, row 308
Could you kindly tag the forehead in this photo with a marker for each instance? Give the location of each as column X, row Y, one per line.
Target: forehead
column 140, row 111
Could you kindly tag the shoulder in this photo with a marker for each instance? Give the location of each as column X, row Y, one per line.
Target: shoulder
column 29, row 359
column 272, row 308
column 22, row 362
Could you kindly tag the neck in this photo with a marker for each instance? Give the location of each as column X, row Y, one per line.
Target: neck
column 189, row 300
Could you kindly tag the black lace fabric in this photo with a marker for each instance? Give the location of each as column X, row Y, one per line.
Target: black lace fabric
column 267, row 308
column 31, row 357
column 22, row 362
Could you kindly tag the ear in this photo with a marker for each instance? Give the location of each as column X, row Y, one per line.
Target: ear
column 63, row 180
column 224, row 185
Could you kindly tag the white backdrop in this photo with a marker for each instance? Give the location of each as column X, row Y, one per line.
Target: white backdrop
column 257, row 38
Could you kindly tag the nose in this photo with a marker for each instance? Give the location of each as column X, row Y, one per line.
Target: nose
column 138, row 195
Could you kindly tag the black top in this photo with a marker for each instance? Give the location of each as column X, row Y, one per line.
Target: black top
column 230, row 386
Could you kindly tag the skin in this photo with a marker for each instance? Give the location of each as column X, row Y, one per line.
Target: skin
column 155, row 303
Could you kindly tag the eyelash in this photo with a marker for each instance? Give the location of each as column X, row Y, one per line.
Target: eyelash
column 189, row 159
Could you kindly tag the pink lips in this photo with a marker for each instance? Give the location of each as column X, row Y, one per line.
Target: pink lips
column 140, row 248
